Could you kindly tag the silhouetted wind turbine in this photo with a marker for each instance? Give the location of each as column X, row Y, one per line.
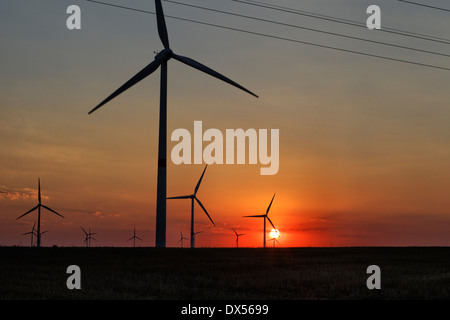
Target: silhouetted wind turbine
column 194, row 197
column 32, row 234
column 274, row 239
column 264, row 216
column 237, row 237
column 134, row 237
column 181, row 239
column 89, row 236
column 42, row 234
column 39, row 205
column 161, row 59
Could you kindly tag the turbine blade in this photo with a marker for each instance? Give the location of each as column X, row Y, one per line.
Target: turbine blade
column 180, row 197
column 139, row 238
column 201, row 205
column 194, row 64
column 130, row 238
column 52, row 211
column 267, row 212
column 234, row 231
column 199, row 181
column 149, row 69
column 84, row 231
column 27, row 233
column 162, row 29
column 271, row 222
column 257, row 216
column 28, row 212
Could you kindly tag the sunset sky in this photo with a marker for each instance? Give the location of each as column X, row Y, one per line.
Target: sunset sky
column 364, row 141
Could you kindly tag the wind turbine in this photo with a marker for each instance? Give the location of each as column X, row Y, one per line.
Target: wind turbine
column 42, row 233
column 181, row 239
column 134, row 237
column 194, row 197
column 274, row 239
column 89, row 236
column 161, row 60
column 39, row 205
column 237, row 237
column 264, row 216
column 196, row 233
column 32, row 234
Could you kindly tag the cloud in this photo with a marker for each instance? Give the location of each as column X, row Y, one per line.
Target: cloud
column 319, row 219
column 19, row 194
column 102, row 215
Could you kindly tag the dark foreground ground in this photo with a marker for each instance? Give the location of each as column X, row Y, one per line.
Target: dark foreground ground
column 225, row 274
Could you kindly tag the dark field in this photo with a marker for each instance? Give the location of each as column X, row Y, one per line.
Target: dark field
column 225, row 274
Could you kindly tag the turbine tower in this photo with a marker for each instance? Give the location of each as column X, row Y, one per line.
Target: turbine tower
column 134, row 237
column 237, row 237
column 264, row 216
column 161, row 60
column 39, row 205
column 194, row 197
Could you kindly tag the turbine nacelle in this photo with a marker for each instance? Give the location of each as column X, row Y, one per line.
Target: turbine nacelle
column 164, row 55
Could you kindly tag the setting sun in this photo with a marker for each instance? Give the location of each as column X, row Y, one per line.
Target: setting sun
column 274, row 233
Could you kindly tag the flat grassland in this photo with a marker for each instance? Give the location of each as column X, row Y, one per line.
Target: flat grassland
column 225, row 273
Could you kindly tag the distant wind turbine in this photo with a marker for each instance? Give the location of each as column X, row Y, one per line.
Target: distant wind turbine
column 134, row 237
column 264, row 216
column 274, row 239
column 237, row 237
column 194, row 197
column 181, row 239
column 32, row 232
column 89, row 236
column 39, row 205
column 161, row 60
column 41, row 234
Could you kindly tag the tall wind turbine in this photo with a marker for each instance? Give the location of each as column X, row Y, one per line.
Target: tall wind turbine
column 134, row 237
column 194, row 197
column 161, row 60
column 32, row 232
column 237, row 237
column 39, row 205
column 181, row 239
column 264, row 216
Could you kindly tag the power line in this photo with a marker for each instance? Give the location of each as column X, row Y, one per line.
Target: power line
column 277, row 37
column 425, row 5
column 342, row 21
column 352, row 21
column 309, row 29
